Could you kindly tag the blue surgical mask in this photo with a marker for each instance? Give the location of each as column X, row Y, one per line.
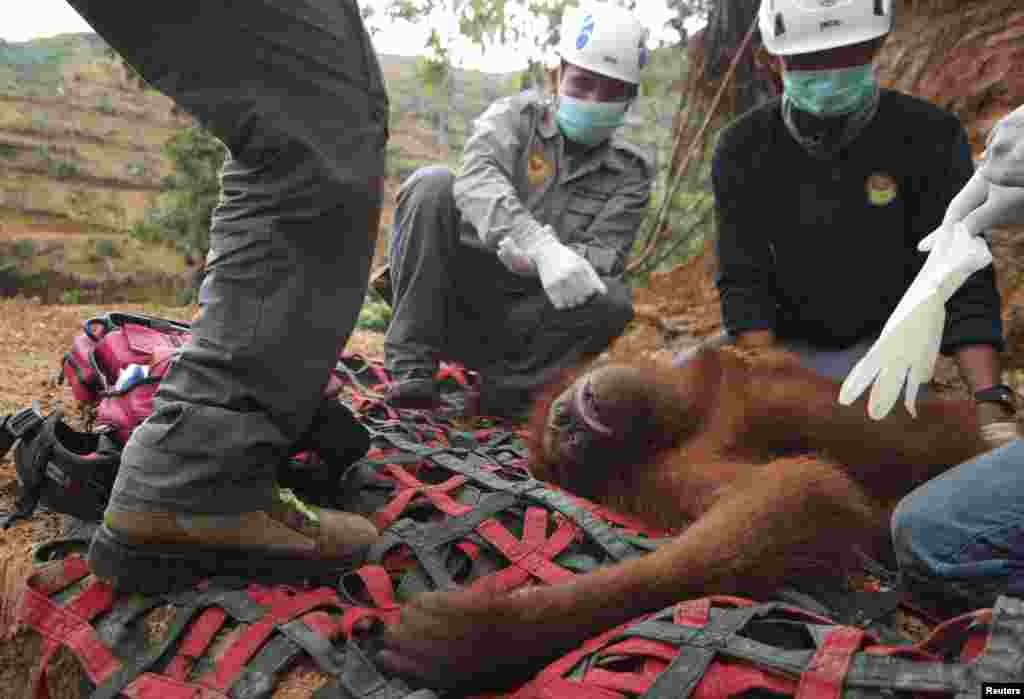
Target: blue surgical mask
column 829, row 92
column 589, row 122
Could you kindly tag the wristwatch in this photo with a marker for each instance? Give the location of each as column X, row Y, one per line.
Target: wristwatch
column 1000, row 393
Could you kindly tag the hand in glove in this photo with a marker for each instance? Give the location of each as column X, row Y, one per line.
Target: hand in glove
column 568, row 279
column 906, row 350
column 994, row 196
column 514, row 259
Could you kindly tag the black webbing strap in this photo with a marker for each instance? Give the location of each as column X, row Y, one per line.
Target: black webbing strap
column 469, row 463
column 699, row 647
column 360, row 679
column 869, row 674
column 603, row 534
column 23, row 425
column 426, row 541
column 235, row 602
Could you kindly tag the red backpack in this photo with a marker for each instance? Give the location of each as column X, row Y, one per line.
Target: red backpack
column 116, row 364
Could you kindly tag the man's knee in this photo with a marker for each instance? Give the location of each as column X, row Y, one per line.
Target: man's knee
column 427, row 182
column 613, row 310
column 911, row 521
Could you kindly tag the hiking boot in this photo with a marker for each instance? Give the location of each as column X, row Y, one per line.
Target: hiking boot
column 156, row 552
column 414, row 389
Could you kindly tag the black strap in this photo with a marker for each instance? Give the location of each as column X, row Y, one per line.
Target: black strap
column 231, row 600
column 360, row 679
column 24, row 424
column 688, row 667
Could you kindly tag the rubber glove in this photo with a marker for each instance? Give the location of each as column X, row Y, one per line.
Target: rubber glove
column 568, row 279
column 994, row 196
column 1003, row 163
column 905, row 352
column 514, row 259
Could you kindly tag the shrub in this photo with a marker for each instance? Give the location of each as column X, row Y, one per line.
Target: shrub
column 374, row 315
column 23, row 248
column 104, row 247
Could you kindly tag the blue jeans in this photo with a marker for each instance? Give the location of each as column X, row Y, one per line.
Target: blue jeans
column 959, row 538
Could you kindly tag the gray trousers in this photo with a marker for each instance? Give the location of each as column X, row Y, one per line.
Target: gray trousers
column 293, row 89
column 453, row 299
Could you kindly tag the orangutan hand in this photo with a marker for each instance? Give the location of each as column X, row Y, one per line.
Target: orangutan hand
column 469, row 639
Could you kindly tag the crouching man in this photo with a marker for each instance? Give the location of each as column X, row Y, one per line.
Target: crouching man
column 513, row 266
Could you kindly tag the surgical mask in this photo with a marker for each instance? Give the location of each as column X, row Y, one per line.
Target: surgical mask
column 829, row 92
column 589, row 122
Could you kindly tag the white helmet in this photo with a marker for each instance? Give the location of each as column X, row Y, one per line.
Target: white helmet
column 803, row 26
column 605, row 39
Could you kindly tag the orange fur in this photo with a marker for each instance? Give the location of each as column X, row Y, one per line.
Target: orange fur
column 752, row 460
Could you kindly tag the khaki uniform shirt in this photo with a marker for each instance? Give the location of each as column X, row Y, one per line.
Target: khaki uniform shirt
column 516, row 177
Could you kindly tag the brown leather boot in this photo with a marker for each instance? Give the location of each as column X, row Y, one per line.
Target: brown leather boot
column 155, row 552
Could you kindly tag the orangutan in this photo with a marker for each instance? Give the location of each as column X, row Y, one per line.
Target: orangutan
column 718, row 450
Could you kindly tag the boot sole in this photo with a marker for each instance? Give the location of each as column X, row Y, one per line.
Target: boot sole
column 154, row 570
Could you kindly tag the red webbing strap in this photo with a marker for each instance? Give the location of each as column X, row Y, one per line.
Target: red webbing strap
column 152, row 686
column 551, row 683
column 826, row 672
column 232, row 662
column 409, row 487
column 380, row 589
column 730, row 678
column 200, row 635
column 67, row 625
column 530, row 556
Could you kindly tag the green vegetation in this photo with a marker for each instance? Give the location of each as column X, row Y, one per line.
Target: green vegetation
column 58, row 167
column 181, row 217
column 374, row 315
column 105, row 105
column 34, row 68
column 71, row 297
column 23, row 249
column 104, row 247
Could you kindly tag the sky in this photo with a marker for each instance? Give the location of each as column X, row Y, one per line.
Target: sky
column 40, row 18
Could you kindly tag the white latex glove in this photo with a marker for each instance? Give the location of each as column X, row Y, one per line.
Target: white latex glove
column 1003, row 163
column 568, row 278
column 906, row 351
column 514, row 259
column 994, row 196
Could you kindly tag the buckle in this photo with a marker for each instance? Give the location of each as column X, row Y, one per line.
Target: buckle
column 24, row 421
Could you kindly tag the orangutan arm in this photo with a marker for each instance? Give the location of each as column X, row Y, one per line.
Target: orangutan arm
column 744, row 544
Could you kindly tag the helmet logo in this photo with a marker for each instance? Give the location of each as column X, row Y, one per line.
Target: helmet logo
column 583, row 38
column 831, row 24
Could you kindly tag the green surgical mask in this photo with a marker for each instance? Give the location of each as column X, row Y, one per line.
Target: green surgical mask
column 589, row 122
column 829, row 92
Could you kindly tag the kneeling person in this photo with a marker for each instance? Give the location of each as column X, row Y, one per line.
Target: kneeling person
column 512, row 267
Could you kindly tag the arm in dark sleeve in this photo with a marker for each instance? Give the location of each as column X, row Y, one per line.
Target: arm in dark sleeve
column 745, row 273
column 972, row 313
column 609, row 238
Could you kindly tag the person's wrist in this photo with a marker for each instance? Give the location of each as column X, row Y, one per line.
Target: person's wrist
column 998, row 393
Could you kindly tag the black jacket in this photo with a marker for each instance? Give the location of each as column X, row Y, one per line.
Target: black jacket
column 823, row 250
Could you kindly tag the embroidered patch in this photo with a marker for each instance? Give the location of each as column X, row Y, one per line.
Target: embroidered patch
column 882, row 189
column 538, row 169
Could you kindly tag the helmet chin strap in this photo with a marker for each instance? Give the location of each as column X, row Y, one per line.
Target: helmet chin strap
column 824, row 137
